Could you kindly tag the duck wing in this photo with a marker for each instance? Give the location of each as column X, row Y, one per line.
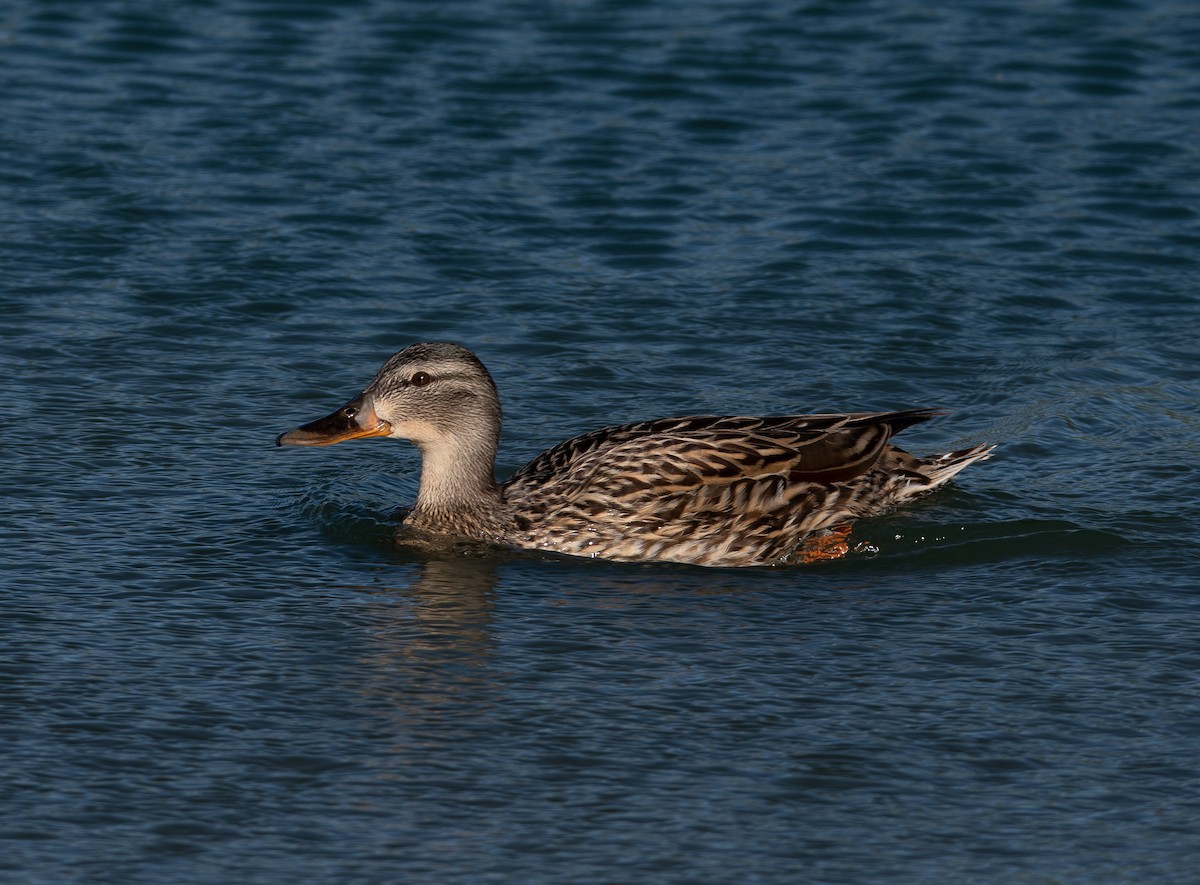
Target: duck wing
column 674, row 456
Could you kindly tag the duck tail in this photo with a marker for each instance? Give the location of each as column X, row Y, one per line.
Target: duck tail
column 942, row 468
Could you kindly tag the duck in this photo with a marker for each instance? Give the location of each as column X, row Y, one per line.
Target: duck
column 708, row 490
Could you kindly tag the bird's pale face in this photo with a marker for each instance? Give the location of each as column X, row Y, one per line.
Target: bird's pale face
column 425, row 393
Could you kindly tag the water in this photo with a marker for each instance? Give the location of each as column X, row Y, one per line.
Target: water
column 218, row 218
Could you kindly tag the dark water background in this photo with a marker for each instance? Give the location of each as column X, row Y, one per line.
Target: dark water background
column 218, row 217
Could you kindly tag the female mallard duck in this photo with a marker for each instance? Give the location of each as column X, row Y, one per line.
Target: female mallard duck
column 716, row 491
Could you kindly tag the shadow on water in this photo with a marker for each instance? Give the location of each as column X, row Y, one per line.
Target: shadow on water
column 898, row 541
column 458, row 575
column 939, row 545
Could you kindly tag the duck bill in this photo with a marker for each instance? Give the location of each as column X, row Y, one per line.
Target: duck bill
column 355, row 420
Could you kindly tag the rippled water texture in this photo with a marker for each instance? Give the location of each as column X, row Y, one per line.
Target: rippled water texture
column 217, row 219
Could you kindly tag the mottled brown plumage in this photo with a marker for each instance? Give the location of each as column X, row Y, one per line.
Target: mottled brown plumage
column 716, row 491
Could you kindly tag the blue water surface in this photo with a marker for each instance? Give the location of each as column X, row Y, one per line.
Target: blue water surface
column 218, row 217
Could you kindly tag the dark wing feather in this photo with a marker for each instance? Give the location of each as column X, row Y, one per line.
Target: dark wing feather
column 673, row 454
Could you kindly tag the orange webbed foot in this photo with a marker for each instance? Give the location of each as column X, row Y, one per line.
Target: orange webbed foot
column 833, row 544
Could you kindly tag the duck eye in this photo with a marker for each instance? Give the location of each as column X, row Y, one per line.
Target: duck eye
column 349, row 412
column 420, row 379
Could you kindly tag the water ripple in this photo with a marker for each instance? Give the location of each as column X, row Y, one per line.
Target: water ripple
column 218, row 219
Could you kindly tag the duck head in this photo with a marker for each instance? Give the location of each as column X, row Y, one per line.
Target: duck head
column 439, row 396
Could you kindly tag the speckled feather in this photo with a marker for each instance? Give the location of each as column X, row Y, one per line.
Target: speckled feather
column 708, row 490
column 722, row 491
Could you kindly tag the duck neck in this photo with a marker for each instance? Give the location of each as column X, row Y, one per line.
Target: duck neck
column 458, row 491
